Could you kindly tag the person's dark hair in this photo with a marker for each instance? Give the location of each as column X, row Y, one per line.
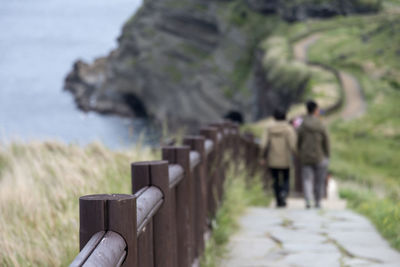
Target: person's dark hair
column 311, row 106
column 234, row 116
column 279, row 114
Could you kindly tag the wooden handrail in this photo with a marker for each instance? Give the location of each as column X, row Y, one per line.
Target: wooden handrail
column 175, row 172
column 194, row 157
column 208, row 146
column 104, row 249
column 88, row 249
column 219, row 137
column 147, row 204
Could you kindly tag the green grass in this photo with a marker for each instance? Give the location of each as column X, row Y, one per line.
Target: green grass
column 239, row 193
column 283, row 74
column 377, row 42
column 321, row 78
column 254, row 27
column 240, row 74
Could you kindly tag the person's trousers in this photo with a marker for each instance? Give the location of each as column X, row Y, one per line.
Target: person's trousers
column 314, row 181
column 281, row 184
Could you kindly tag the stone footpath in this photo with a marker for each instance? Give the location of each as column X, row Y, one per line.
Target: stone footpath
column 298, row 237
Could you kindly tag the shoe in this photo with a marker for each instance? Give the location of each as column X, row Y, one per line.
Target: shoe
column 317, row 206
column 308, row 206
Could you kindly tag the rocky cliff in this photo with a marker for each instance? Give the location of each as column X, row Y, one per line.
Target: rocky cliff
column 184, row 60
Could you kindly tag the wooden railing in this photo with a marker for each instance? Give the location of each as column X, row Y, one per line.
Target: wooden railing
column 167, row 218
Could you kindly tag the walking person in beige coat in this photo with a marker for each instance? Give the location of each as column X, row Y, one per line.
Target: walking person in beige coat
column 281, row 144
column 313, row 147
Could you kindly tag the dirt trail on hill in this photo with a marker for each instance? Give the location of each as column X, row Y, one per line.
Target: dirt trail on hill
column 354, row 105
column 300, row 48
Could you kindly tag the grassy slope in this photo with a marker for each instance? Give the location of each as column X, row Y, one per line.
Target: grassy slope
column 40, row 184
column 365, row 151
column 254, row 26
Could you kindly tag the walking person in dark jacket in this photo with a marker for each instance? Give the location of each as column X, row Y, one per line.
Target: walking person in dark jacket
column 313, row 147
column 281, row 144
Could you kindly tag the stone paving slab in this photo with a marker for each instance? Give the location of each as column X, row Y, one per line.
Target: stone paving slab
column 297, row 237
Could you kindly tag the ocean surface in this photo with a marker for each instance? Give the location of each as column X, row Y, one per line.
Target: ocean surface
column 39, row 41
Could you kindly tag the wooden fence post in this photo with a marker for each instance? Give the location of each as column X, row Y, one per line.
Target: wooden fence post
column 155, row 173
column 200, row 188
column 220, row 159
column 229, row 138
column 110, row 212
column 235, row 142
column 211, row 170
column 180, row 155
column 140, row 179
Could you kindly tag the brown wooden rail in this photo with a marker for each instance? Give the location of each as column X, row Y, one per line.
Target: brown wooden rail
column 168, row 216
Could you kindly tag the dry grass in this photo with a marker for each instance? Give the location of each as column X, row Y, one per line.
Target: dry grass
column 40, row 184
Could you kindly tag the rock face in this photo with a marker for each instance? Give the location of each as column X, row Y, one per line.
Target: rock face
column 174, row 62
column 186, row 61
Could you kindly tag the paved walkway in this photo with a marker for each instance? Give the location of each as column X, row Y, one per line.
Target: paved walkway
column 296, row 237
column 299, row 237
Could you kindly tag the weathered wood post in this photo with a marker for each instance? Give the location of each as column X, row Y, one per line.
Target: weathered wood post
column 234, row 128
column 180, row 155
column 196, row 143
column 220, row 159
column 225, row 154
column 229, row 137
column 157, row 237
column 110, row 212
column 141, row 179
column 211, row 171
